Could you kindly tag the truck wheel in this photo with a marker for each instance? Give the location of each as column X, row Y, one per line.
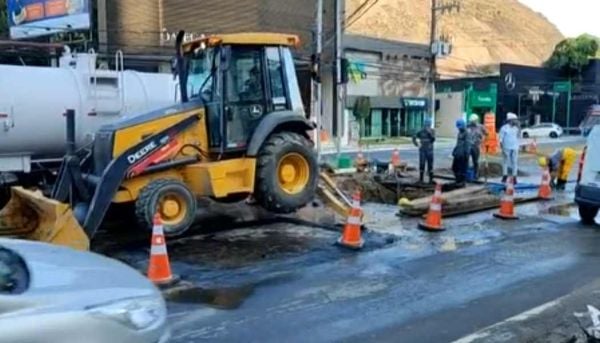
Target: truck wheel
column 286, row 175
column 172, row 200
column 588, row 214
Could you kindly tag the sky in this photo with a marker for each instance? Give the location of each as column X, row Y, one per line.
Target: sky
column 572, row 17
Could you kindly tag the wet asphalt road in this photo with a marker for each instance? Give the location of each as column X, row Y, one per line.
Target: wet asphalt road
column 406, row 286
column 376, row 296
column 281, row 282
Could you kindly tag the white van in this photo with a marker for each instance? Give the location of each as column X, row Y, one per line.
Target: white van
column 587, row 192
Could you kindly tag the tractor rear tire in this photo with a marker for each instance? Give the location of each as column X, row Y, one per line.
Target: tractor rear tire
column 172, row 200
column 287, row 173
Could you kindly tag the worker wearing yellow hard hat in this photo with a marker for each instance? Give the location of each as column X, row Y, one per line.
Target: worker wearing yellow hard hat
column 560, row 164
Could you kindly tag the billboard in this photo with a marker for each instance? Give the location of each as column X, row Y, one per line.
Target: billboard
column 33, row 18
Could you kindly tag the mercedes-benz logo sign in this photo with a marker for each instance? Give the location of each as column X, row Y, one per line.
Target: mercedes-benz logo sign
column 510, row 81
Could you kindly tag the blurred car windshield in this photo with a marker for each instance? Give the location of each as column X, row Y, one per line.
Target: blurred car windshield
column 14, row 276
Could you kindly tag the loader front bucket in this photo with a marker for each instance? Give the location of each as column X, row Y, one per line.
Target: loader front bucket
column 29, row 215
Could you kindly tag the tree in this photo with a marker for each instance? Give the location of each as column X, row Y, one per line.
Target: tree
column 3, row 19
column 573, row 54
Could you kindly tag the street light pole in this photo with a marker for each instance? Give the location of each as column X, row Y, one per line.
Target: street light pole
column 317, row 86
column 336, row 77
column 433, row 69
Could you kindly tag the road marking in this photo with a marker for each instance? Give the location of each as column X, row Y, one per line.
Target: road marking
column 487, row 332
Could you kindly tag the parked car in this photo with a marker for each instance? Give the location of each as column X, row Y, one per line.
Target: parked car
column 53, row 294
column 543, row 130
column 587, row 191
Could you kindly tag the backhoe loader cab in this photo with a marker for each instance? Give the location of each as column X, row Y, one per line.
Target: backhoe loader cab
column 239, row 130
column 240, row 79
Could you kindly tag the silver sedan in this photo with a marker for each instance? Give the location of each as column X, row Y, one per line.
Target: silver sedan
column 53, row 294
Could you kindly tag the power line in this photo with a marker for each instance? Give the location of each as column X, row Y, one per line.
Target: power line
column 358, row 9
column 363, row 13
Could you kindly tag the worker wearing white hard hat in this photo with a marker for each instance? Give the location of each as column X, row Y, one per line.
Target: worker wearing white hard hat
column 477, row 133
column 509, row 142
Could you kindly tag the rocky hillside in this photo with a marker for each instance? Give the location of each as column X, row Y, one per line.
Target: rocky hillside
column 484, row 32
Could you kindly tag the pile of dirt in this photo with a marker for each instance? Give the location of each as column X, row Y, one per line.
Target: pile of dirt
column 494, row 170
column 484, row 32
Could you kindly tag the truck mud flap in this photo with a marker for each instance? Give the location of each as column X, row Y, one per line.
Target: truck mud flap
column 30, row 215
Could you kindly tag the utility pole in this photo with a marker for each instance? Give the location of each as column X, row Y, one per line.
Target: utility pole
column 337, row 75
column 317, row 86
column 435, row 44
column 433, row 68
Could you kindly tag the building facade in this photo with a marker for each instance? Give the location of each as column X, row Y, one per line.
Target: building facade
column 534, row 94
column 387, row 94
column 146, row 30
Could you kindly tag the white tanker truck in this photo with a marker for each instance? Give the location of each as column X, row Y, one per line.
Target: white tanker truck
column 34, row 99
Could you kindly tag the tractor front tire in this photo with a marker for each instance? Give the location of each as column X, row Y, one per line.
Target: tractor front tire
column 287, row 173
column 172, row 200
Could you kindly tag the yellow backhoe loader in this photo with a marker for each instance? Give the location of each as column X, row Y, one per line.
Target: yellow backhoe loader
column 240, row 129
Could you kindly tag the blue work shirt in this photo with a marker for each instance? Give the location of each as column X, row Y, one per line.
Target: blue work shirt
column 509, row 137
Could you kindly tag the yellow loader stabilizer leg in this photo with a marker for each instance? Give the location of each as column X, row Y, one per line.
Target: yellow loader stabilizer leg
column 29, row 215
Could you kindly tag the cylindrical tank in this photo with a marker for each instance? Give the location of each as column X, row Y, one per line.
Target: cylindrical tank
column 33, row 100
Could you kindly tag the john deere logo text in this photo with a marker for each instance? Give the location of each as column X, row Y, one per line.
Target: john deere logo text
column 133, row 158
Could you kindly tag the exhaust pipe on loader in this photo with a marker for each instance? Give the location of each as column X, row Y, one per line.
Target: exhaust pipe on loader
column 30, row 215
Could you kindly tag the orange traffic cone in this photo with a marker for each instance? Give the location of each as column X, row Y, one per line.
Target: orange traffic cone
column 507, row 204
column 545, row 192
column 533, row 146
column 324, row 137
column 159, row 269
column 434, row 217
column 396, row 162
column 351, row 237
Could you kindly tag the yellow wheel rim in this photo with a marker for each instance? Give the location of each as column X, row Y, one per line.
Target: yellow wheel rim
column 293, row 172
column 173, row 209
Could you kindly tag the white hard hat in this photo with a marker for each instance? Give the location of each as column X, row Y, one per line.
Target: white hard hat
column 474, row 117
column 511, row 116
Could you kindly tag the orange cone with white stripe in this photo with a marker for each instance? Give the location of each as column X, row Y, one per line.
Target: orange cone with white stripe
column 351, row 237
column 545, row 192
column 507, row 204
column 433, row 222
column 159, row 269
column 396, row 161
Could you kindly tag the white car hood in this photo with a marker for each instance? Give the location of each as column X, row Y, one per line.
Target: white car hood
column 65, row 277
